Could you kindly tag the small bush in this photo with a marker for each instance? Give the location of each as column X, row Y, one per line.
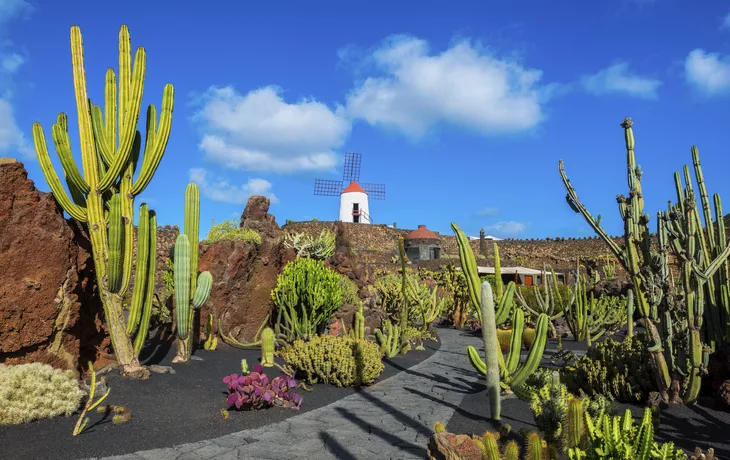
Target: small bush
column 350, row 291
column 229, row 230
column 341, row 361
column 36, row 391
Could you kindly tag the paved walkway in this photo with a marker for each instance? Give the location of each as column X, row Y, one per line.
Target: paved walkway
column 392, row 419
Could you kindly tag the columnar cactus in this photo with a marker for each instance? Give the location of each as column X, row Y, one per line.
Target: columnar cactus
column 550, row 301
column 191, row 290
column 267, row 347
column 504, row 296
column 359, row 326
column 405, row 306
column 102, row 198
column 704, row 273
column 492, row 353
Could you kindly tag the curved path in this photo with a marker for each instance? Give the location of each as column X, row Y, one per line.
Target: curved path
column 392, row 419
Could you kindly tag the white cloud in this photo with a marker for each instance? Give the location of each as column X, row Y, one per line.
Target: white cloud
column 708, row 73
column 218, row 189
column 12, row 138
column 260, row 131
column 10, row 63
column 11, row 9
column 489, row 211
column 619, row 79
column 726, row 22
column 508, row 228
column 463, row 86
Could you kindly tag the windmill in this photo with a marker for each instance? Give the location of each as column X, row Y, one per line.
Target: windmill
column 353, row 198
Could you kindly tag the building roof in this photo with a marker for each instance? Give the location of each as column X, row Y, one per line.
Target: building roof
column 354, row 187
column 421, row 233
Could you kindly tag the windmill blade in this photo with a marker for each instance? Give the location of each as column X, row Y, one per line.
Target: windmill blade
column 352, row 167
column 327, row 187
column 374, row 191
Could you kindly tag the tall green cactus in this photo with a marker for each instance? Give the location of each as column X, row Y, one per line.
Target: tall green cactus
column 704, row 273
column 492, row 351
column 550, row 301
column 102, row 198
column 504, row 298
column 191, row 290
column 405, row 345
column 267, row 347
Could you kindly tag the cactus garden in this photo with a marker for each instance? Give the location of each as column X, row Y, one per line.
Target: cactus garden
column 336, row 339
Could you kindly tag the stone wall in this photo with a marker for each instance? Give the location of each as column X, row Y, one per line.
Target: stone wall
column 377, row 244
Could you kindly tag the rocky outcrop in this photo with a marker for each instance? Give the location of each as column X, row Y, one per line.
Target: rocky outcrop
column 244, row 274
column 256, row 217
column 46, row 278
column 449, row 446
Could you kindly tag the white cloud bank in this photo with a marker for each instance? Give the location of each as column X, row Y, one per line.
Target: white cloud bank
column 463, row 86
column 261, row 132
column 218, row 189
column 708, row 73
column 619, row 79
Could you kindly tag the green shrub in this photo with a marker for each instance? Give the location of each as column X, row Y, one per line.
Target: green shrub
column 306, row 245
column 306, row 295
column 36, row 391
column 229, row 230
column 350, row 291
column 338, row 360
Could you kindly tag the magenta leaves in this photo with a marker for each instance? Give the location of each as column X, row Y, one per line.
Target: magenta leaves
column 257, row 391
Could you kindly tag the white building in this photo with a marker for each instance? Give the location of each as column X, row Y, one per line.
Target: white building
column 354, row 205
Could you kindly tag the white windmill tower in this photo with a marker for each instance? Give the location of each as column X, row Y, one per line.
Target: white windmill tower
column 354, row 199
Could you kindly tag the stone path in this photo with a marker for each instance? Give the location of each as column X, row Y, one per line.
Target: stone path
column 392, row 419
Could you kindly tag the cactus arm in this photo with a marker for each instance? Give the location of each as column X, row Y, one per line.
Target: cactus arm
column 535, row 354
column 131, row 87
column 515, row 350
column 150, row 280
column 505, row 304
column 202, row 290
column 498, row 284
column 41, row 148
column 155, row 151
column 469, row 267
column 192, row 229
column 142, row 265
column 578, row 207
column 116, row 245
column 63, row 149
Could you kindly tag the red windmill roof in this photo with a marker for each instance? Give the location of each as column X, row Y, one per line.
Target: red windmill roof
column 354, row 187
column 421, row 233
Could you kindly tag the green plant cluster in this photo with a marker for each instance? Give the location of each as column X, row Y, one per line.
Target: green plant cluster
column 306, row 295
column 337, row 360
column 452, row 284
column 350, row 291
column 319, row 247
column 617, row 370
column 388, row 291
column 36, row 391
column 229, row 230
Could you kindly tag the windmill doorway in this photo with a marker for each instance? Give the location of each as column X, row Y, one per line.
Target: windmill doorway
column 356, row 213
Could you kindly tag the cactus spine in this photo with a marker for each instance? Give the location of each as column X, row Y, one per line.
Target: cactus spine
column 191, row 290
column 103, row 197
column 267, row 347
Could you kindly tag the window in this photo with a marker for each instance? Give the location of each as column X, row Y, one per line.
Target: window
column 435, row 253
column 356, row 213
column 413, row 254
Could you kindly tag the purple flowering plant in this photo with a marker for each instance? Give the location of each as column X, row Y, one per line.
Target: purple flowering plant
column 257, row 391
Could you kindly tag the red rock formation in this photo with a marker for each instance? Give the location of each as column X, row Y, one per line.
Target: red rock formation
column 449, row 446
column 244, row 274
column 45, row 279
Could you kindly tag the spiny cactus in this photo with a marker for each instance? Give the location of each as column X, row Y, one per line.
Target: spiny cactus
column 510, row 370
column 267, row 347
column 550, row 301
column 705, row 275
column 504, row 297
column 358, row 331
column 102, row 198
column 405, row 346
column 589, row 318
column 389, row 339
column 191, row 290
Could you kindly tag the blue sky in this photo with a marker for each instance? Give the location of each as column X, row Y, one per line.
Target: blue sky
column 461, row 108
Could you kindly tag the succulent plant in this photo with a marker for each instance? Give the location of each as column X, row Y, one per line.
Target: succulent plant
column 257, row 391
column 338, row 360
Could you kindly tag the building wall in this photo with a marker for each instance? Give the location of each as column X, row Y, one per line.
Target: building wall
column 346, row 202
